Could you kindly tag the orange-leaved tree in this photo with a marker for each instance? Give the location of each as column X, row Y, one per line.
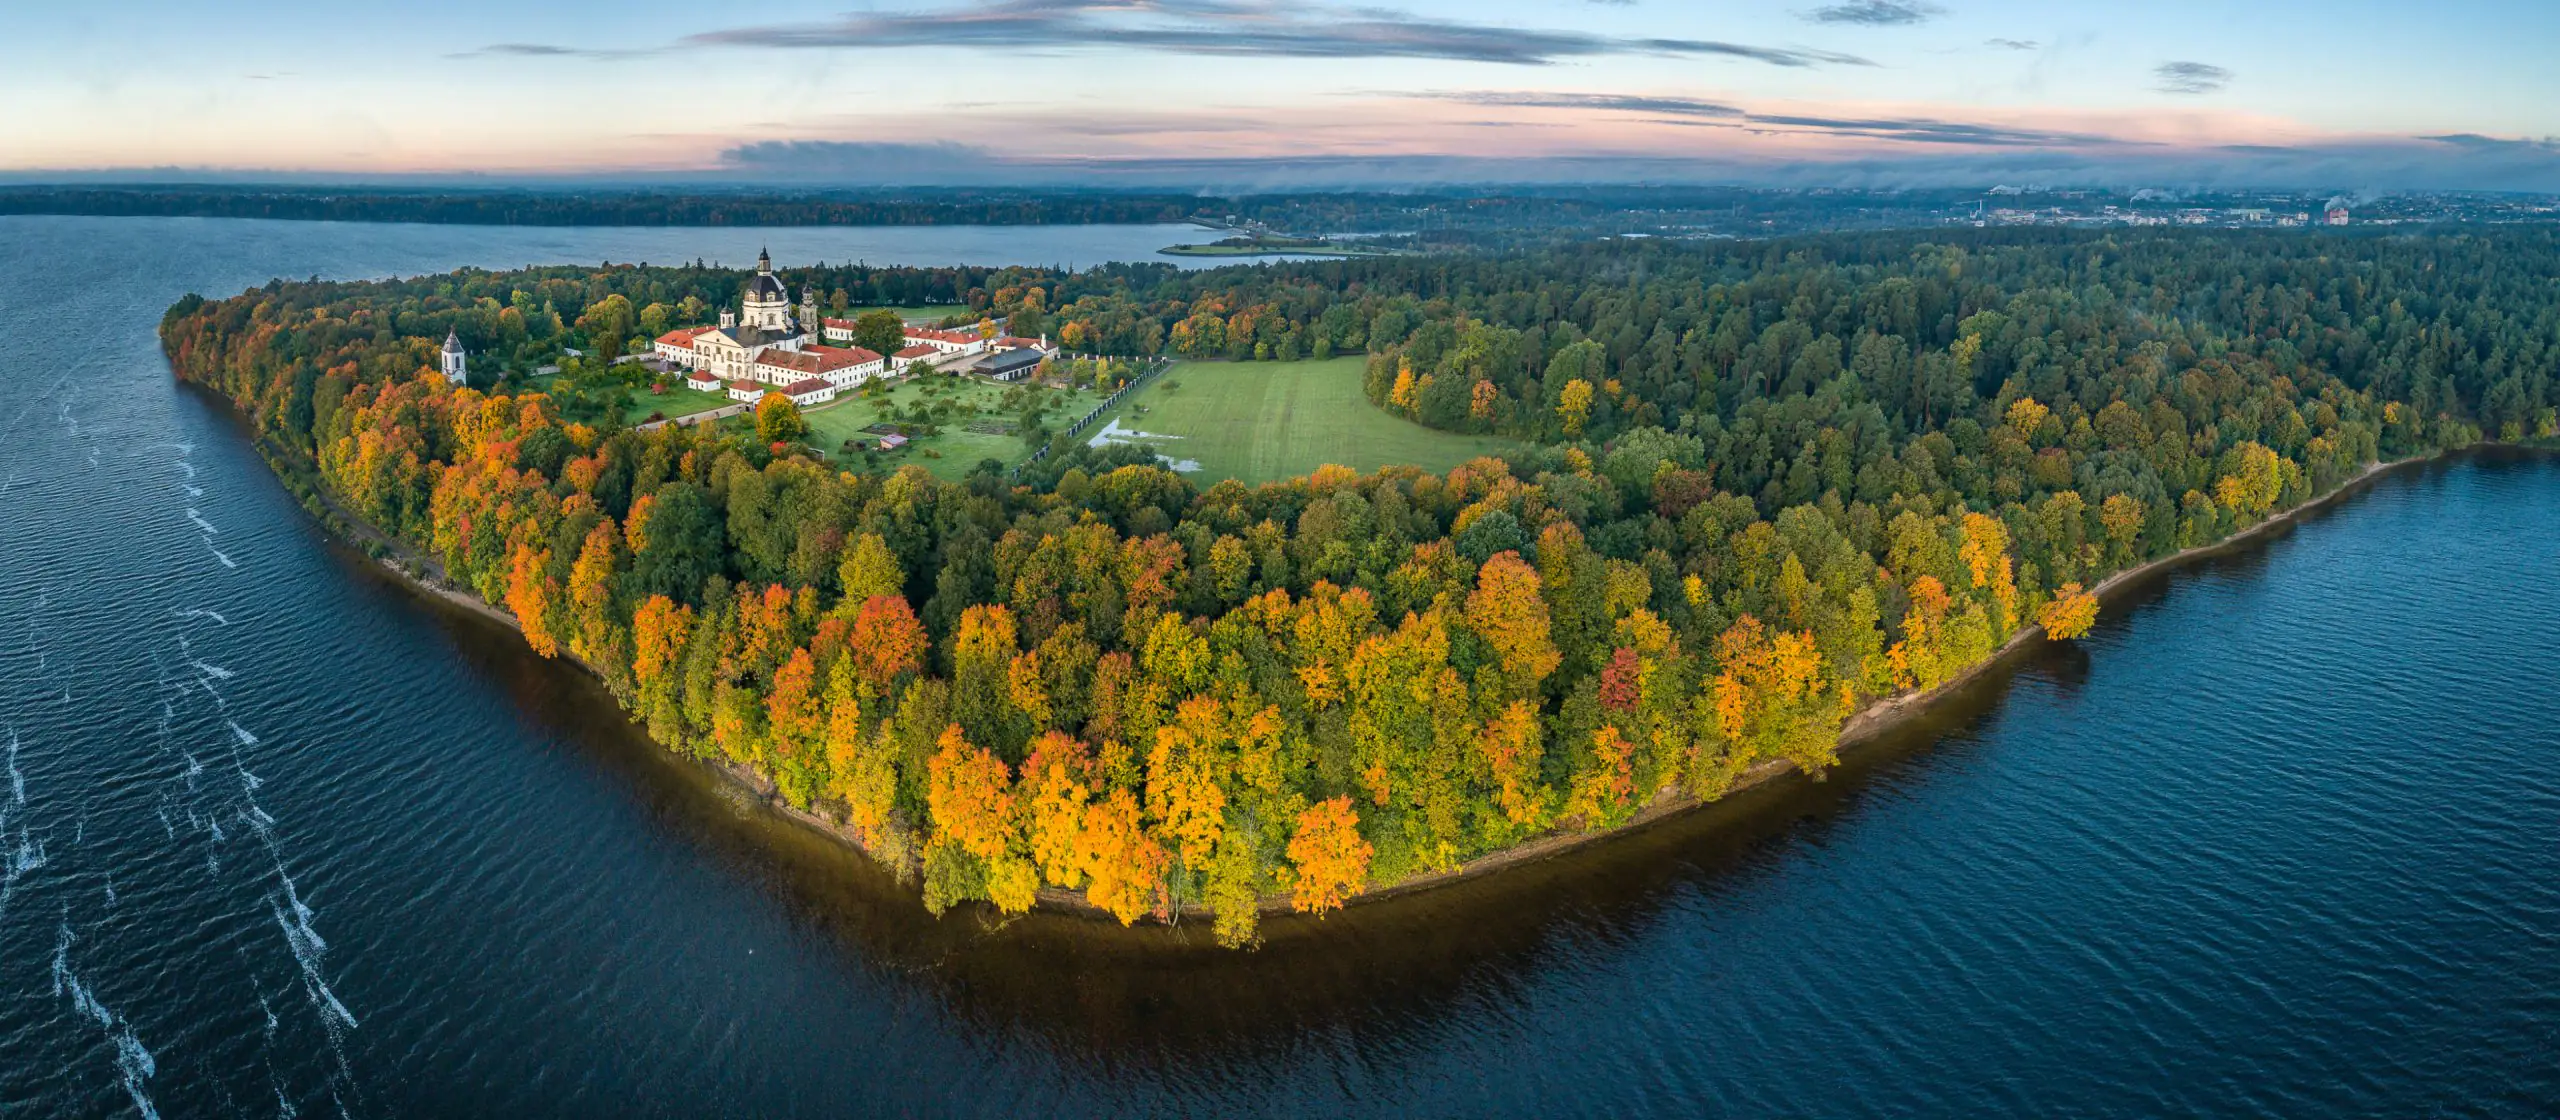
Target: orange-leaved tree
column 1124, row 867
column 1332, row 859
column 970, row 794
column 1507, row 612
column 2069, row 614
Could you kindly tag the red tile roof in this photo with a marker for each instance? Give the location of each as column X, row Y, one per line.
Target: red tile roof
column 742, row 383
column 842, row 356
column 682, row 337
column 1016, row 342
column 942, row 336
column 919, row 350
column 818, row 359
column 808, row 385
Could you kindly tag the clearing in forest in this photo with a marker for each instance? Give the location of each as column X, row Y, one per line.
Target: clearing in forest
column 1262, row 421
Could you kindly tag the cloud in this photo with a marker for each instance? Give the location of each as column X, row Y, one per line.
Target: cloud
column 529, row 50
column 1694, row 112
column 1926, row 130
column 1223, row 27
column 1877, row 13
column 536, row 50
column 2190, row 77
column 2012, row 44
column 2477, row 142
column 1630, row 103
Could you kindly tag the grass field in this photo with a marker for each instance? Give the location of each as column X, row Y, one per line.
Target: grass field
column 1262, row 421
column 933, row 314
column 959, row 449
column 677, row 402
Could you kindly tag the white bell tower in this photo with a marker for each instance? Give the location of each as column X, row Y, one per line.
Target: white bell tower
column 767, row 305
column 453, row 359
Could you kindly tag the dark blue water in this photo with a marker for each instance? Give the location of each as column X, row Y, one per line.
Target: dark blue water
column 2282, row 838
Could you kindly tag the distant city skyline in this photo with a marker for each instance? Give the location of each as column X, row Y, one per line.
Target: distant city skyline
column 1263, row 93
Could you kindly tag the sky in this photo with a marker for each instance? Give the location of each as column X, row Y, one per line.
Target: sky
column 1271, row 93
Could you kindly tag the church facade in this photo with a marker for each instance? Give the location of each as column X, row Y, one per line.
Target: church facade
column 763, row 342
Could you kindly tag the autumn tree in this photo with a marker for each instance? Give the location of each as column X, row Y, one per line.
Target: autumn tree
column 794, row 720
column 886, row 642
column 1331, row 858
column 1506, row 611
column 1125, row 869
column 2069, row 614
column 592, row 585
column 529, row 597
column 1512, row 744
column 778, row 420
column 1770, row 698
column 1573, row 406
column 969, row 792
column 869, row 570
column 1057, row 784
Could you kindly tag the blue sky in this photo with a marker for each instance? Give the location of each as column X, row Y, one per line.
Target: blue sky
column 2343, row 91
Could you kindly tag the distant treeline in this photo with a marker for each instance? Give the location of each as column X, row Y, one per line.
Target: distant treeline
column 1584, row 209
column 546, row 208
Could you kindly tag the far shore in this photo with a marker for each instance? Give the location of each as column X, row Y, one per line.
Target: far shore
column 1869, row 724
column 1273, row 251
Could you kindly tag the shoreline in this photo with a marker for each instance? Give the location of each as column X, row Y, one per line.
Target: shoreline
column 1871, row 722
column 1868, row 724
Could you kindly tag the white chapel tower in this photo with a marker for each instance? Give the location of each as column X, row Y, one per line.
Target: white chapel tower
column 453, row 361
column 768, row 304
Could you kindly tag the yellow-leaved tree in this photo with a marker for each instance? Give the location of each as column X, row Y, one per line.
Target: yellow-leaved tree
column 2069, row 614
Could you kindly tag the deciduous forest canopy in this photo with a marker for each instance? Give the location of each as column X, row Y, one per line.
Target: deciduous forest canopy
column 1759, row 485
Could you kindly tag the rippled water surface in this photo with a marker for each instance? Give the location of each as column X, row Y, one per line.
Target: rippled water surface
column 278, row 837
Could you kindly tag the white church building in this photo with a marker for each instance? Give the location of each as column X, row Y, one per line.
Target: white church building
column 764, row 343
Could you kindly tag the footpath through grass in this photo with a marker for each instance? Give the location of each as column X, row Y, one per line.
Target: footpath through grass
column 1263, row 421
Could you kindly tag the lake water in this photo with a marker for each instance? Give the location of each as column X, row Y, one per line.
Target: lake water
column 279, row 837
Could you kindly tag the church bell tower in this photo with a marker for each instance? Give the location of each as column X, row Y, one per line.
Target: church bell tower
column 453, row 360
column 767, row 306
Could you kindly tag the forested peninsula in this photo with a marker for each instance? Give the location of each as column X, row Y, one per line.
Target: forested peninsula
column 1757, row 487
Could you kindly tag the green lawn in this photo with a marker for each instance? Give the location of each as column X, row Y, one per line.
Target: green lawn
column 931, row 314
column 676, row 402
column 959, row 449
column 1263, row 421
